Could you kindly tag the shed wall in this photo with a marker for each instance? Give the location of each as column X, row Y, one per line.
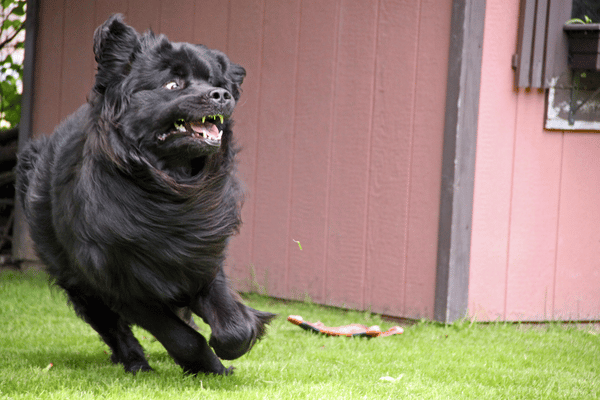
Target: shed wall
column 535, row 250
column 341, row 124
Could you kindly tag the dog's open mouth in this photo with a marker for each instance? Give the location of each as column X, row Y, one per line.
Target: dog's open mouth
column 208, row 129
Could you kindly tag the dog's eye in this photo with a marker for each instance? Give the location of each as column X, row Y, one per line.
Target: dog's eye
column 172, row 85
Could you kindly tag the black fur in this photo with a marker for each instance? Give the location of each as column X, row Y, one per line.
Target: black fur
column 132, row 216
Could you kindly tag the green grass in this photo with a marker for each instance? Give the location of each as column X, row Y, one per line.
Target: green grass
column 428, row 361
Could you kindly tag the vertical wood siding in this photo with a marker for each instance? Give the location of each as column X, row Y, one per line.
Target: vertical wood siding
column 536, row 244
column 340, row 121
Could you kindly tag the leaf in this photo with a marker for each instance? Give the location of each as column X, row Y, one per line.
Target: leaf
column 19, row 9
column 13, row 115
column 10, row 100
column 11, row 72
column 585, row 20
column 575, row 21
column 8, row 84
column 11, row 23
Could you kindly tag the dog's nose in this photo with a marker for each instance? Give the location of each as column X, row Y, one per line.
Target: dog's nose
column 221, row 97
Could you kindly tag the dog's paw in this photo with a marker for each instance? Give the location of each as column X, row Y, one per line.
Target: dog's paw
column 234, row 346
column 229, row 371
column 215, row 370
column 137, row 367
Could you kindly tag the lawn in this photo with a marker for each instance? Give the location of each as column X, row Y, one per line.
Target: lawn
column 46, row 352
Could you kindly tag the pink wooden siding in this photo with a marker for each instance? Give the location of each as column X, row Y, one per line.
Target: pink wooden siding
column 341, row 133
column 341, row 123
column 535, row 251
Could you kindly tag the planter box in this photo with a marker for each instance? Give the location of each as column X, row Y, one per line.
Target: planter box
column 584, row 46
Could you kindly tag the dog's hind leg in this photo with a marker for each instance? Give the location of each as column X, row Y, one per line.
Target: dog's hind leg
column 113, row 329
column 188, row 348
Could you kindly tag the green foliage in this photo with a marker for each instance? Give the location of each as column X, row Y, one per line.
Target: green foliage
column 12, row 24
column 585, row 20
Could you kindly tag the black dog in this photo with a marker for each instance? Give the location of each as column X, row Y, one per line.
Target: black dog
column 133, row 198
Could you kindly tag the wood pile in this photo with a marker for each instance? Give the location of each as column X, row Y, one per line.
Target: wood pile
column 8, row 158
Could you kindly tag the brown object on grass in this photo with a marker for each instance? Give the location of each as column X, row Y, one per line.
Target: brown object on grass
column 346, row 330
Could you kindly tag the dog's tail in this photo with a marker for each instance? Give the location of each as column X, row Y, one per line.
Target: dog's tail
column 26, row 164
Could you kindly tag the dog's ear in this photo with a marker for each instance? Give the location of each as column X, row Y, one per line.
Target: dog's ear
column 237, row 73
column 115, row 46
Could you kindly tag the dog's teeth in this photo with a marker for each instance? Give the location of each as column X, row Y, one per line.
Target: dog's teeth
column 205, row 135
column 179, row 125
column 220, row 135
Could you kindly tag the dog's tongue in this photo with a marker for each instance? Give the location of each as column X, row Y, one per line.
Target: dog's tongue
column 211, row 130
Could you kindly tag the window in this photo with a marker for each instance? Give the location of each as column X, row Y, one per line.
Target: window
column 586, row 8
column 542, row 62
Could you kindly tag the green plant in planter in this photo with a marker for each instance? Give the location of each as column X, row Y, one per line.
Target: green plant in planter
column 585, row 20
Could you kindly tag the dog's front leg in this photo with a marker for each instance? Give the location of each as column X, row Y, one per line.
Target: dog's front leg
column 235, row 326
column 188, row 348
